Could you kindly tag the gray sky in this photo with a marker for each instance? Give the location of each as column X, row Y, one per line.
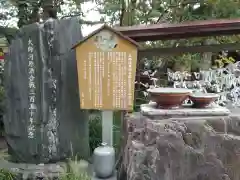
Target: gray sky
column 91, row 16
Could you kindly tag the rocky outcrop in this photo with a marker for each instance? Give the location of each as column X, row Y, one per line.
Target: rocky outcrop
column 182, row 148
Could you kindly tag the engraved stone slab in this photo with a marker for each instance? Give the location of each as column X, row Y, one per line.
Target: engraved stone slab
column 43, row 121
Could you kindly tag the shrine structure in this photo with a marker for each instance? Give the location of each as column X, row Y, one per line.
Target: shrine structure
column 181, row 143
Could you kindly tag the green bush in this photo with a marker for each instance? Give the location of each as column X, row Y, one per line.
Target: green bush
column 95, row 130
column 75, row 170
column 72, row 176
column 7, row 175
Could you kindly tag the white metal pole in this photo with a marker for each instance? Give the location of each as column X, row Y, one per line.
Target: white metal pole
column 107, row 127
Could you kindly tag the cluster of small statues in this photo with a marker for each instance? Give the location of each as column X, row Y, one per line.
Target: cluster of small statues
column 224, row 81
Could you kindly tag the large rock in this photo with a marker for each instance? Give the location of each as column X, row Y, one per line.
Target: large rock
column 43, row 120
column 182, row 148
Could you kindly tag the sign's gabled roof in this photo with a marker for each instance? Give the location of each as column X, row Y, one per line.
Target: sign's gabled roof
column 110, row 29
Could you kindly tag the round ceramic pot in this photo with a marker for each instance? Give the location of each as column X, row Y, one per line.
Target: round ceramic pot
column 167, row 98
column 202, row 100
column 104, row 161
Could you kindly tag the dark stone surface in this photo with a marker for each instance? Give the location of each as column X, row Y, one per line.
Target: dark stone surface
column 204, row 148
column 55, row 137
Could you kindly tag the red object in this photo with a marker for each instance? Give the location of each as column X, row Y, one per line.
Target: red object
column 203, row 100
column 182, row 30
column 167, row 98
column 1, row 55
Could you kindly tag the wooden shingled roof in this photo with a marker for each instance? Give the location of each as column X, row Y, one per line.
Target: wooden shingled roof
column 190, row 29
column 110, row 29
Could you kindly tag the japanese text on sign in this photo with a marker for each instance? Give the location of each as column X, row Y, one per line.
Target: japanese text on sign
column 32, row 90
column 108, row 80
column 106, row 72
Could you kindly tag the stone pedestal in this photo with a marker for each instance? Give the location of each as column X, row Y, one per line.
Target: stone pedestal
column 182, row 144
column 150, row 111
column 33, row 171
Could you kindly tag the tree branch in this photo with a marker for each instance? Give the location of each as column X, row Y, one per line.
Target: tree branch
column 34, row 17
column 122, row 12
column 184, row 4
column 175, row 6
column 81, row 21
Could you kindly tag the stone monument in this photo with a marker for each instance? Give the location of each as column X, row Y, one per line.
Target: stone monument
column 43, row 120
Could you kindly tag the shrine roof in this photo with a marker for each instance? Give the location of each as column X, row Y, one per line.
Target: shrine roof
column 110, row 29
column 166, row 31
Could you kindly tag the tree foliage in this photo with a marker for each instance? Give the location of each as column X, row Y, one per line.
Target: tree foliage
column 29, row 10
column 125, row 12
column 156, row 11
column 130, row 12
column 8, row 12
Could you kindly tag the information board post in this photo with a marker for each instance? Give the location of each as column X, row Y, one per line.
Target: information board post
column 106, row 64
column 107, row 127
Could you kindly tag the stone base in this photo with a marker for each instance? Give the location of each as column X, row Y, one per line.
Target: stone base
column 32, row 171
column 114, row 177
column 42, row 171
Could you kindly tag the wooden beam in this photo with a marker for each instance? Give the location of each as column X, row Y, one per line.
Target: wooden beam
column 182, row 30
column 155, row 36
column 188, row 49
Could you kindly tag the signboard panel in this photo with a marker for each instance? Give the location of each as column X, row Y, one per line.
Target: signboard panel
column 106, row 65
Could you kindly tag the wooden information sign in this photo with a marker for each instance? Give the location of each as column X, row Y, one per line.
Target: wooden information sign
column 106, row 63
